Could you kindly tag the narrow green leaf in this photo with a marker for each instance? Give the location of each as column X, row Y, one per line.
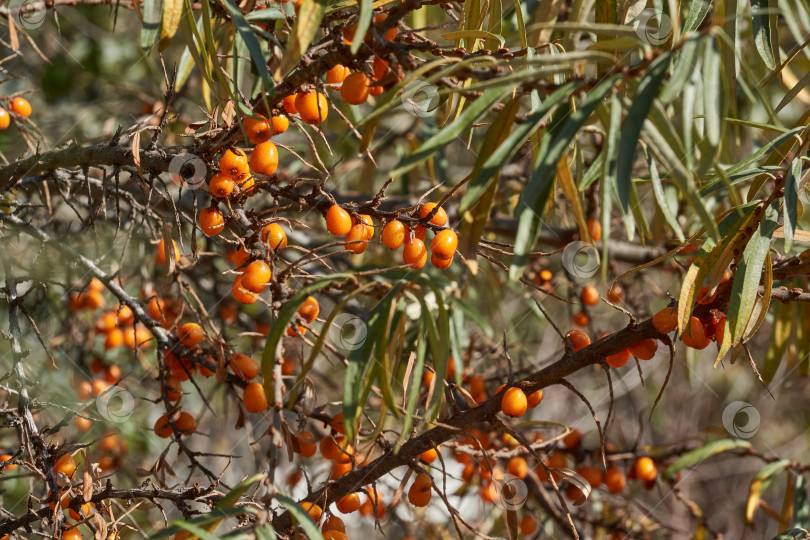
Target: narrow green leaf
column 696, row 456
column 749, row 274
column 252, row 43
column 152, row 12
column 265, row 532
column 713, row 96
column 364, row 19
column 791, row 202
column 415, row 387
column 204, row 519
column 612, row 120
column 631, row 127
column 310, row 528
column 475, row 34
column 566, row 124
column 661, row 199
column 685, row 63
column 303, row 32
column 267, row 14
column 801, row 518
column 758, row 485
column 509, row 147
column 471, row 113
column 698, row 9
column 760, row 19
column 440, row 351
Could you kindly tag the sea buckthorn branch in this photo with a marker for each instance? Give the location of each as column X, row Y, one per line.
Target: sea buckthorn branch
column 206, row 495
column 29, row 426
column 415, row 446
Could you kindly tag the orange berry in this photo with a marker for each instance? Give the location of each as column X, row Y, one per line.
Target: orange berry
column 185, row 423
column 440, row 263
column 595, row 228
column 244, row 366
column 355, row 89
column 391, row 34
column 534, row 399
column 338, row 221
column 112, row 374
column 312, row 107
column 517, row 466
column 365, row 220
column 274, row 235
column 644, row 349
column 5, row 118
column 190, row 335
column 221, row 185
column 695, row 336
column 334, row 524
column 419, row 232
column 178, row 368
column 421, row 490
column 21, row 106
column 234, row 163
column 444, row 244
column 348, row 504
column 254, row 398
column 514, row 402
column 257, row 130
column 264, row 158
column 241, row 294
column 211, row 221
column 572, row 439
column 162, row 427
column 71, row 534
column 393, row 234
column 247, row 183
column 337, row 74
column 160, row 254
column 581, row 318
column 619, row 359
column 666, row 320
column 279, row 124
column 173, row 389
column 615, row 480
column 429, row 456
column 256, row 276
column 414, row 253
column 99, row 386
column 357, row 239
column 439, row 219
column 645, row 469
column 309, row 311
column 330, row 447
column 314, row 511
column 82, row 425
column 289, row 104
column 579, row 339
column 527, row 525
column 591, row 474
column 589, row 296
column 65, row 465
column 615, row 294
column 380, row 67
column 84, row 390
column 7, row 457
column 720, row 330
column 306, row 444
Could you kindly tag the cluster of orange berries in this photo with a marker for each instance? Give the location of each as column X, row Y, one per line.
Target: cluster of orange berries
column 589, row 296
column 359, row 230
column 69, row 498
column 643, row 350
column 333, row 527
column 18, row 106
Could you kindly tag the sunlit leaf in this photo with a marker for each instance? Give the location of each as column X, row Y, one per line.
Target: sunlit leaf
column 698, row 455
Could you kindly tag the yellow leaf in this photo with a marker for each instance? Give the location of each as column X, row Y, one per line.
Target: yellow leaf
column 172, row 12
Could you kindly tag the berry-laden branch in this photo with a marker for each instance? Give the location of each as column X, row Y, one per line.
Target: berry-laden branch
column 410, row 451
